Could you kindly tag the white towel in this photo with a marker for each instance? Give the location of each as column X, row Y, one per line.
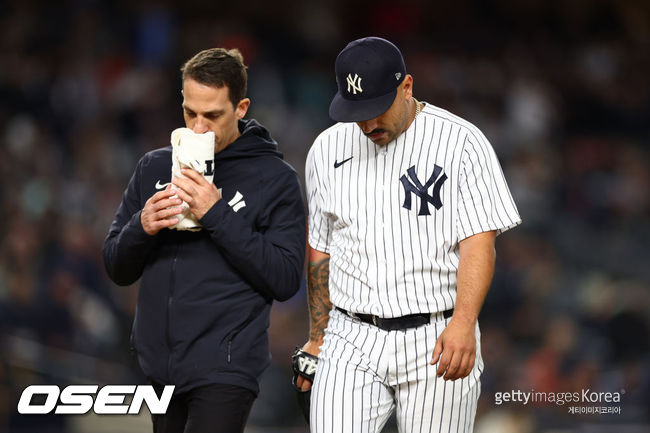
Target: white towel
column 190, row 150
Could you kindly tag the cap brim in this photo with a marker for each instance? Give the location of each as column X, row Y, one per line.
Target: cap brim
column 346, row 110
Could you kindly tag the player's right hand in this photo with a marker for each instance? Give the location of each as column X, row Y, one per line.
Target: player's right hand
column 313, row 348
column 157, row 209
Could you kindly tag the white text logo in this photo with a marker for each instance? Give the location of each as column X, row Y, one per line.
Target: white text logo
column 557, row 398
column 79, row 399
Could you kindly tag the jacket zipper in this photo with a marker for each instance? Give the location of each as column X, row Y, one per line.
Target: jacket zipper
column 232, row 337
column 170, row 301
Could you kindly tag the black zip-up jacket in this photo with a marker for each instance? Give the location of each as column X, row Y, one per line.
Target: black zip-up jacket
column 204, row 301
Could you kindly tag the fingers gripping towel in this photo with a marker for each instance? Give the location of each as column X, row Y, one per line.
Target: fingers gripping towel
column 196, row 151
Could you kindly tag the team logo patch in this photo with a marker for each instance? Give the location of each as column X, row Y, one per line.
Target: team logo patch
column 354, row 83
column 237, row 202
column 412, row 184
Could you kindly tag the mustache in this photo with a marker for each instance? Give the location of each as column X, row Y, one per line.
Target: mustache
column 374, row 131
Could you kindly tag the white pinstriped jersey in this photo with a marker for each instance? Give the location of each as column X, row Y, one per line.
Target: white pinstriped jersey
column 391, row 217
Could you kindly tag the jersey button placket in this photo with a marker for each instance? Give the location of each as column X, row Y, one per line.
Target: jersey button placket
column 387, row 222
column 381, row 191
column 380, row 236
column 381, row 185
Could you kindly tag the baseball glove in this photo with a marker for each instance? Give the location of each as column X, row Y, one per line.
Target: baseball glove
column 303, row 364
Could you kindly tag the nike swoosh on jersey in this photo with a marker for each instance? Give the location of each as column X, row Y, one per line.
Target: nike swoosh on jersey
column 161, row 185
column 338, row 164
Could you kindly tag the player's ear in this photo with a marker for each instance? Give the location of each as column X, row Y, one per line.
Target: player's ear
column 242, row 108
column 407, row 86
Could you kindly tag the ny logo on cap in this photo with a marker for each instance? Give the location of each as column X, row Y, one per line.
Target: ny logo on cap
column 355, row 83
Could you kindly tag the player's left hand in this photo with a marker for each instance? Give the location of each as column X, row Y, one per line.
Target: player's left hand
column 196, row 191
column 456, row 350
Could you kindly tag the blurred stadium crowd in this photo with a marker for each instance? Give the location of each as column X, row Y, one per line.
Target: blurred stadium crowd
column 561, row 89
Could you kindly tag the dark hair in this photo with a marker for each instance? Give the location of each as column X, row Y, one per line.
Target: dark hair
column 219, row 67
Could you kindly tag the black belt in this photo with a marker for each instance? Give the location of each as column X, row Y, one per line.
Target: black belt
column 396, row 323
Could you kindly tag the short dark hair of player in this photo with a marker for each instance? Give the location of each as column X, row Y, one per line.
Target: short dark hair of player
column 219, row 67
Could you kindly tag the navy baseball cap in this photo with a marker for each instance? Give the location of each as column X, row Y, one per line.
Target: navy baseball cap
column 368, row 72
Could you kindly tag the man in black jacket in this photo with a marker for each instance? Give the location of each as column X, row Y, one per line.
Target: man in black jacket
column 204, row 301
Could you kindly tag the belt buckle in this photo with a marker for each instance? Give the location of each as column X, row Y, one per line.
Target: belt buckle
column 374, row 320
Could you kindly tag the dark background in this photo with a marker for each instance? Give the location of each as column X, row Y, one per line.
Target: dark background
column 561, row 89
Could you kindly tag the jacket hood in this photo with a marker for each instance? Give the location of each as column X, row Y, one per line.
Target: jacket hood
column 255, row 140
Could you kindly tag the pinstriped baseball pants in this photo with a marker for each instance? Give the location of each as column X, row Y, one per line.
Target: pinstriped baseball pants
column 364, row 373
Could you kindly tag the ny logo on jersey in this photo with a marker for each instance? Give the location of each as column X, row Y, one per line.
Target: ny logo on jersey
column 415, row 186
column 354, row 83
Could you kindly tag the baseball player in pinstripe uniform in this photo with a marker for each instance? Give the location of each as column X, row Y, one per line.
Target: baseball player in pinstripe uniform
column 405, row 202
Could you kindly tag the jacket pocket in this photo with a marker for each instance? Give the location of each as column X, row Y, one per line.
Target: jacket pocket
column 235, row 332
